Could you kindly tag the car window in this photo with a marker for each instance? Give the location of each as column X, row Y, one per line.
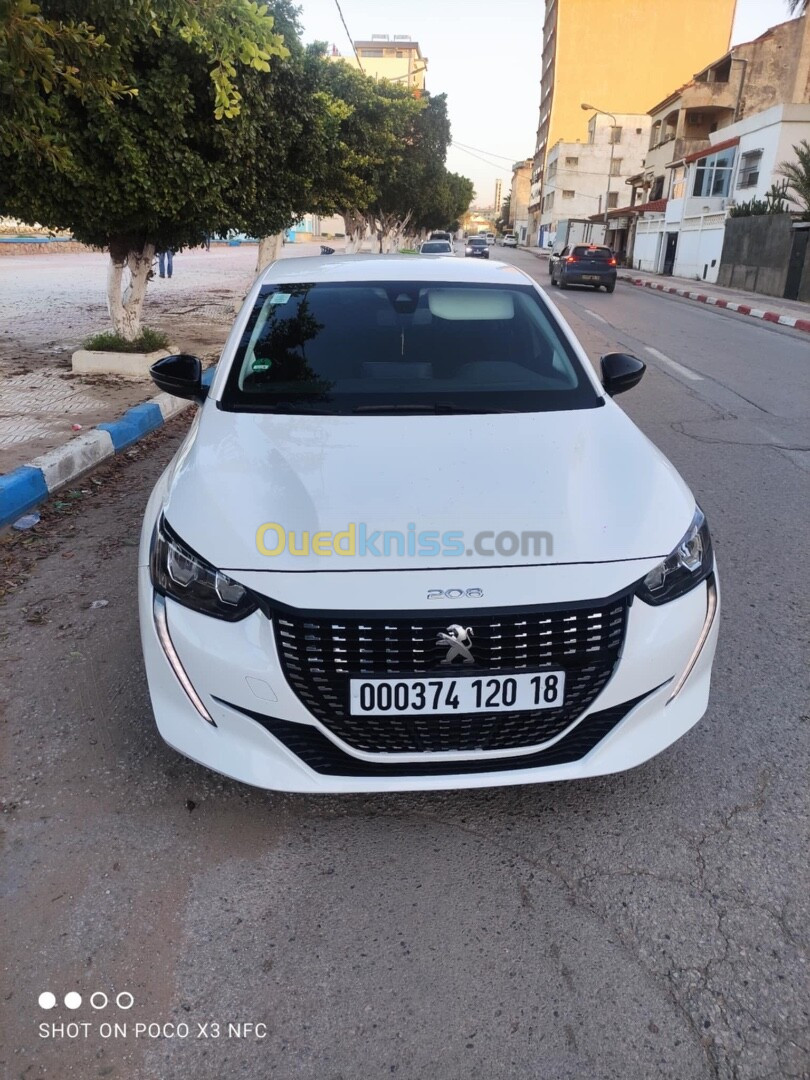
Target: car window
column 477, row 240
column 348, row 347
column 435, row 247
column 586, row 250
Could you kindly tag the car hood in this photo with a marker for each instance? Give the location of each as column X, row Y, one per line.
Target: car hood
column 588, row 479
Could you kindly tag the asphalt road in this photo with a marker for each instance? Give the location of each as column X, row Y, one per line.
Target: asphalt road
column 650, row 924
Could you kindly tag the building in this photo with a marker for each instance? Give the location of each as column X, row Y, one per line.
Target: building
column 577, row 175
column 519, row 199
column 714, row 143
column 392, row 57
column 498, row 196
column 620, row 56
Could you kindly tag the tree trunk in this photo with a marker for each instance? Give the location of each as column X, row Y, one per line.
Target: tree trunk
column 269, row 251
column 125, row 295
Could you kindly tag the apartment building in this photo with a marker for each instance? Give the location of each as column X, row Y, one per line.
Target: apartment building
column 620, row 56
column 581, row 178
column 389, row 56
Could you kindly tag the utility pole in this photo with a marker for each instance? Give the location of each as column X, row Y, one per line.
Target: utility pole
column 593, row 108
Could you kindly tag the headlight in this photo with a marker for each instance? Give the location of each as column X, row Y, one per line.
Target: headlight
column 690, row 563
column 181, row 574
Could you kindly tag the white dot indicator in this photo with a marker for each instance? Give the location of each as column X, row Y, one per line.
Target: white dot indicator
column 73, row 1000
column 47, row 1000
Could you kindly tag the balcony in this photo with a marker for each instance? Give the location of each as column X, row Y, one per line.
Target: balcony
column 705, row 95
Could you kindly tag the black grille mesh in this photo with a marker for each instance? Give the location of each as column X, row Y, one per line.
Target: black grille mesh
column 321, row 653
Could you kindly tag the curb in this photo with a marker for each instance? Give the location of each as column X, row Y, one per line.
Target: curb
column 29, row 485
column 792, row 321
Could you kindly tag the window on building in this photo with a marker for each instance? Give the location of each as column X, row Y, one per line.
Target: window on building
column 749, row 169
column 657, row 189
column 713, row 174
column 548, row 201
column 568, row 194
column 552, row 169
column 372, row 52
column 616, row 167
column 572, row 162
column 678, row 183
column 655, row 134
column 613, row 200
column 615, row 134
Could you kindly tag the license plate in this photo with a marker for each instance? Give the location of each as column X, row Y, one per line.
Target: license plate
column 591, row 277
column 465, row 694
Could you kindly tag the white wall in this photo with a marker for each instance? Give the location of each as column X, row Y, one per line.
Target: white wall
column 775, row 131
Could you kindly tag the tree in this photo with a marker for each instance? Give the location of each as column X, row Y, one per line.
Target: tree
column 503, row 217
column 797, row 7
column 48, row 51
column 144, row 162
column 797, row 174
column 372, row 140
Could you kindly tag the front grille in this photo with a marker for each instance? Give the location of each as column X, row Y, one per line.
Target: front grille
column 320, row 653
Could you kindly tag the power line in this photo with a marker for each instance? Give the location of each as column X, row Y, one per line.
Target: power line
column 464, row 150
column 489, row 152
column 348, row 35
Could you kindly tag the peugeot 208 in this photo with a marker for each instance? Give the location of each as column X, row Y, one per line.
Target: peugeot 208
column 411, row 542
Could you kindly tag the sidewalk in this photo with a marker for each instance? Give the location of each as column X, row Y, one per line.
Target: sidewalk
column 792, row 313
column 54, row 425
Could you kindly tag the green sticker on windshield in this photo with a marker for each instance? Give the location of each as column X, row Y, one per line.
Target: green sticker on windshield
column 280, row 297
column 261, row 364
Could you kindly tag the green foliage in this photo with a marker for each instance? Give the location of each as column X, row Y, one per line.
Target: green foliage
column 64, row 49
column 148, row 341
column 775, row 202
column 797, row 178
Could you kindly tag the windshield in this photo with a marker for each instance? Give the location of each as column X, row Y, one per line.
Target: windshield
column 584, row 251
column 477, row 241
column 346, row 347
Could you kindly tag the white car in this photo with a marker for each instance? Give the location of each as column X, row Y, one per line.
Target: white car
column 436, row 247
column 510, row 240
column 411, row 542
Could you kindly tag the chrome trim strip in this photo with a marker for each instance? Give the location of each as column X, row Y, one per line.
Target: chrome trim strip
column 711, row 611
column 162, row 628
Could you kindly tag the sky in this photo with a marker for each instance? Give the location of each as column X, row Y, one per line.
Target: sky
column 485, row 55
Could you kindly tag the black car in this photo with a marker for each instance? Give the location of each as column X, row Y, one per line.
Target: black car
column 478, row 247
column 584, row 264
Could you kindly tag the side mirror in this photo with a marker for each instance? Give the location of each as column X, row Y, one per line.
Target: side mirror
column 180, row 375
column 620, row 372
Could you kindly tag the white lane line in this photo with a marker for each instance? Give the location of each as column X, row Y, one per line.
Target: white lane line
column 595, row 316
column 685, row 371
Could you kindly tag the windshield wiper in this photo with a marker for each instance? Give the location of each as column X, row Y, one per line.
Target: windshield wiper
column 438, row 408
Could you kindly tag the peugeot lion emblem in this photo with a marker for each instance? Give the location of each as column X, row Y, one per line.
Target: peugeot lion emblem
column 458, row 640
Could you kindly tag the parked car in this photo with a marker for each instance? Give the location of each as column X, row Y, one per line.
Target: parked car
column 411, row 542
column 510, row 240
column 584, row 264
column 477, row 246
column 436, row 247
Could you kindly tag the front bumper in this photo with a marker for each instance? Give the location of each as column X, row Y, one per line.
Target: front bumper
column 263, row 735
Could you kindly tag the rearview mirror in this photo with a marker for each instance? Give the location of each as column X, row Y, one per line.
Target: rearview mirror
column 620, row 372
column 180, row 375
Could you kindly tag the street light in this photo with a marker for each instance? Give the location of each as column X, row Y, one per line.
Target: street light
column 593, row 108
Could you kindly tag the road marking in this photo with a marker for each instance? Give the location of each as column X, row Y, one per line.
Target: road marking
column 685, row 371
column 593, row 313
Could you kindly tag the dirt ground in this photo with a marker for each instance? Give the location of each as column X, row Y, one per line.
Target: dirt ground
column 48, row 306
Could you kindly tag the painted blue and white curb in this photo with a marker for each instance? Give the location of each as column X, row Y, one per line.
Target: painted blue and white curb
column 30, row 485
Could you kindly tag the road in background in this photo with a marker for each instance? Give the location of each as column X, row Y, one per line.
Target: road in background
column 649, row 924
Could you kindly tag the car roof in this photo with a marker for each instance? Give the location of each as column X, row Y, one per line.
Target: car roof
column 390, row 268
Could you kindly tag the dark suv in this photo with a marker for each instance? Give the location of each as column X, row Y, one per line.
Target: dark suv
column 477, row 246
column 584, row 264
